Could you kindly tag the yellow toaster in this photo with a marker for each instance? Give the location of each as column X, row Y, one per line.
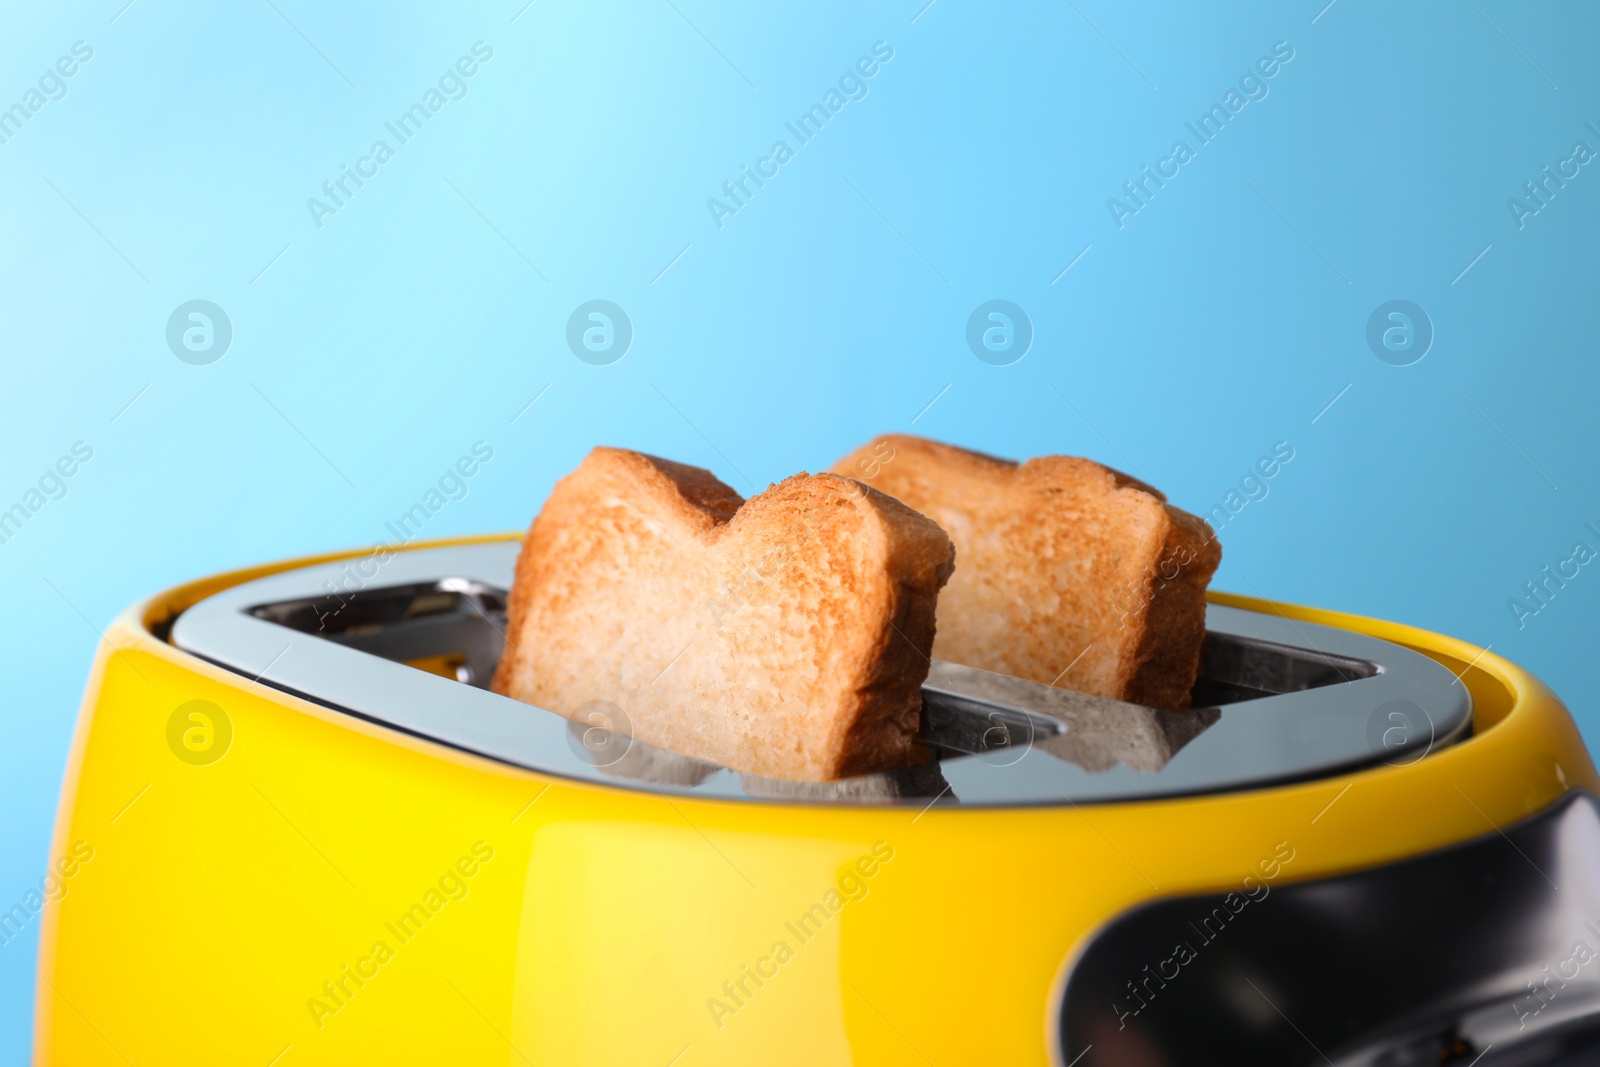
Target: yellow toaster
column 297, row 828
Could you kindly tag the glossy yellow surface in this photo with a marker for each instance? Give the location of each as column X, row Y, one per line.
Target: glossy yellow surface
column 598, row 926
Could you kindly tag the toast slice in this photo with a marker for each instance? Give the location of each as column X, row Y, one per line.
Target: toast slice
column 1072, row 574
column 786, row 636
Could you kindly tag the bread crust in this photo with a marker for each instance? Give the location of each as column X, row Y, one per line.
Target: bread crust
column 786, row 636
column 1071, row 573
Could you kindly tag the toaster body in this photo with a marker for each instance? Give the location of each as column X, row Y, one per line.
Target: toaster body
column 313, row 836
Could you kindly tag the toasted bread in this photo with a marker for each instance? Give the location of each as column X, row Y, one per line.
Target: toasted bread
column 787, row 636
column 1070, row 573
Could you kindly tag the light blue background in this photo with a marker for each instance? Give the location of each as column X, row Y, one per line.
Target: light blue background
column 1223, row 318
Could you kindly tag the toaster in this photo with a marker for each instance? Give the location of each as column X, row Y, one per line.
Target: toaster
column 315, row 836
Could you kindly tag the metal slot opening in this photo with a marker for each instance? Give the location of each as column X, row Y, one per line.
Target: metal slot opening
column 1278, row 700
column 959, row 726
column 452, row 627
column 456, row 626
column 1235, row 669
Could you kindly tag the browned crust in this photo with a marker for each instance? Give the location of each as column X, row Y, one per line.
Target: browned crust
column 797, row 625
column 1166, row 660
column 1071, row 573
column 922, row 557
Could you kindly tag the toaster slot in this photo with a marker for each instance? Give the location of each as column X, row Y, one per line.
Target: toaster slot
column 1234, row 667
column 453, row 627
column 1277, row 699
column 961, row 724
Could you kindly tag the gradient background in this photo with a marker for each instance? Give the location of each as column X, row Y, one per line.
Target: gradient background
column 370, row 353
